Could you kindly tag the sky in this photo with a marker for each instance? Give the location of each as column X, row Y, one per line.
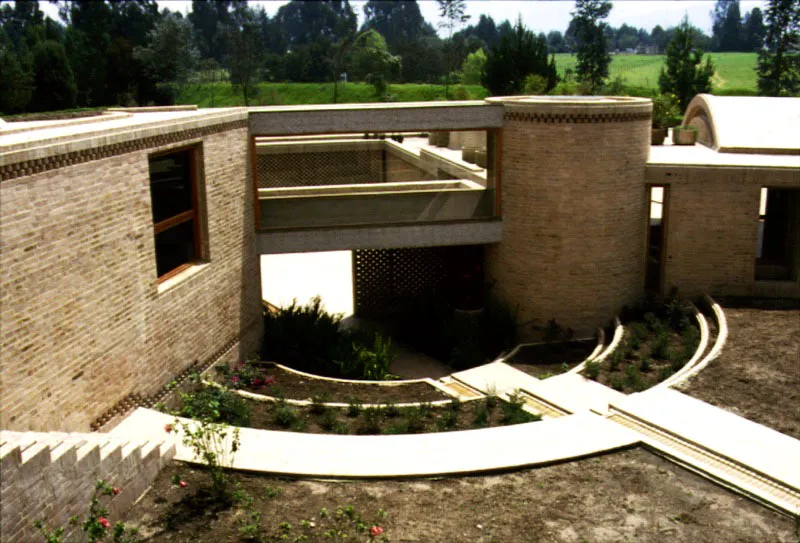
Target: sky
column 538, row 15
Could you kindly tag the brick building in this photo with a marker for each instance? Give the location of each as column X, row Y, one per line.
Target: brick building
column 129, row 242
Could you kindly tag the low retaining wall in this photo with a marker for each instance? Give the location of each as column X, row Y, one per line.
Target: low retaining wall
column 52, row 476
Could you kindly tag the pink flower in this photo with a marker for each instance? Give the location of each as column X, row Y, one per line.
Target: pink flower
column 115, row 490
column 257, row 381
column 269, row 380
column 168, row 428
column 235, row 379
column 375, row 531
column 183, row 484
column 103, row 521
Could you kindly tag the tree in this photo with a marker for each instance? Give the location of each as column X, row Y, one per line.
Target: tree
column 454, row 14
column 245, row 50
column 753, row 30
column 726, row 26
column 372, row 62
column 515, row 58
column 209, row 18
column 555, row 42
column 779, row 59
column 398, row 21
column 473, row 67
column 684, row 73
column 15, row 81
column 87, row 41
column 312, row 32
column 170, row 56
column 53, row 81
column 592, row 52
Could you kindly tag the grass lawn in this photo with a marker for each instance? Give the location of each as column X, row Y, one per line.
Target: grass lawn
column 735, row 72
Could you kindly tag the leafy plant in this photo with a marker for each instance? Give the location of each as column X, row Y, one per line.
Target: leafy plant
column 215, row 404
column 514, row 412
column 214, row 445
column 371, row 422
column 665, row 111
column 354, row 407
column 95, row 524
column 285, row 415
column 592, row 370
column 346, row 524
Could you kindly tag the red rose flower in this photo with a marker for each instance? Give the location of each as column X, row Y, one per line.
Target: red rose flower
column 115, row 490
column 168, row 428
column 375, row 531
column 183, row 484
column 103, row 521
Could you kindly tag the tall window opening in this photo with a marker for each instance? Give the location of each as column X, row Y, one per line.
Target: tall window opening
column 174, row 189
column 656, row 232
column 778, row 248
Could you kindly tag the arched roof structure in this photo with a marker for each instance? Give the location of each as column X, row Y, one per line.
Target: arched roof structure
column 746, row 124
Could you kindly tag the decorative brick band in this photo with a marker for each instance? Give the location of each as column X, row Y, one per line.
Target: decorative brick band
column 132, row 401
column 39, row 165
column 577, row 118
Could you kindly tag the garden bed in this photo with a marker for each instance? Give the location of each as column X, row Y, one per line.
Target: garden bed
column 658, row 341
column 220, row 405
column 757, row 375
column 291, row 385
column 548, row 359
column 627, row 496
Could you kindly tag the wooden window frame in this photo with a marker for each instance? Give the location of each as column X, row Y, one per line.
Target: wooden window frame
column 195, row 213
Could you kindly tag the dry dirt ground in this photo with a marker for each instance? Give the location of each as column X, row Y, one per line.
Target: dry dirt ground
column 757, row 376
column 627, row 496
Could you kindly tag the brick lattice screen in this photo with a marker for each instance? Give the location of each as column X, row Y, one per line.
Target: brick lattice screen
column 319, row 168
column 384, row 278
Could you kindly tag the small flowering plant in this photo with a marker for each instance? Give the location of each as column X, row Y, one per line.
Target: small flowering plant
column 95, row 525
column 246, row 374
column 345, row 524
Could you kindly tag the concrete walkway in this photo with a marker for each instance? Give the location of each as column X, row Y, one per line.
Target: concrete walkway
column 413, row 455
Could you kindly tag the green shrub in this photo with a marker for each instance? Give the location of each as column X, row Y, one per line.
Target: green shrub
column 638, row 330
column 371, row 422
column 592, row 370
column 514, row 412
column 354, row 406
column 286, row 416
column 214, row 404
column 659, row 348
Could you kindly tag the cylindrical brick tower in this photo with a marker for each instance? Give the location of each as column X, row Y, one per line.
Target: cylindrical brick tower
column 574, row 208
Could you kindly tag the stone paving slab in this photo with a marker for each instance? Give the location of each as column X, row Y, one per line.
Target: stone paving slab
column 764, row 450
column 496, row 377
column 577, row 393
column 446, row 453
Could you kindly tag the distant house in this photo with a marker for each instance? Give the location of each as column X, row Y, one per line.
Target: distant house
column 647, row 50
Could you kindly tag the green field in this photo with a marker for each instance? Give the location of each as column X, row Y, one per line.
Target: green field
column 735, row 72
column 223, row 94
column 735, row 75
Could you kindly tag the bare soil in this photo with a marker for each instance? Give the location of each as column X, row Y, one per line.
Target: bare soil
column 293, row 386
column 549, row 359
column 321, row 419
column 757, row 376
column 627, row 496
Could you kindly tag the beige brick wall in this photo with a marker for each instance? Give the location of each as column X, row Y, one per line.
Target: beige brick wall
column 573, row 207
column 712, row 227
column 83, row 323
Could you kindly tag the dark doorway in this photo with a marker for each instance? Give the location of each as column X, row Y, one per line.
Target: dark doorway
column 778, row 250
column 658, row 196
